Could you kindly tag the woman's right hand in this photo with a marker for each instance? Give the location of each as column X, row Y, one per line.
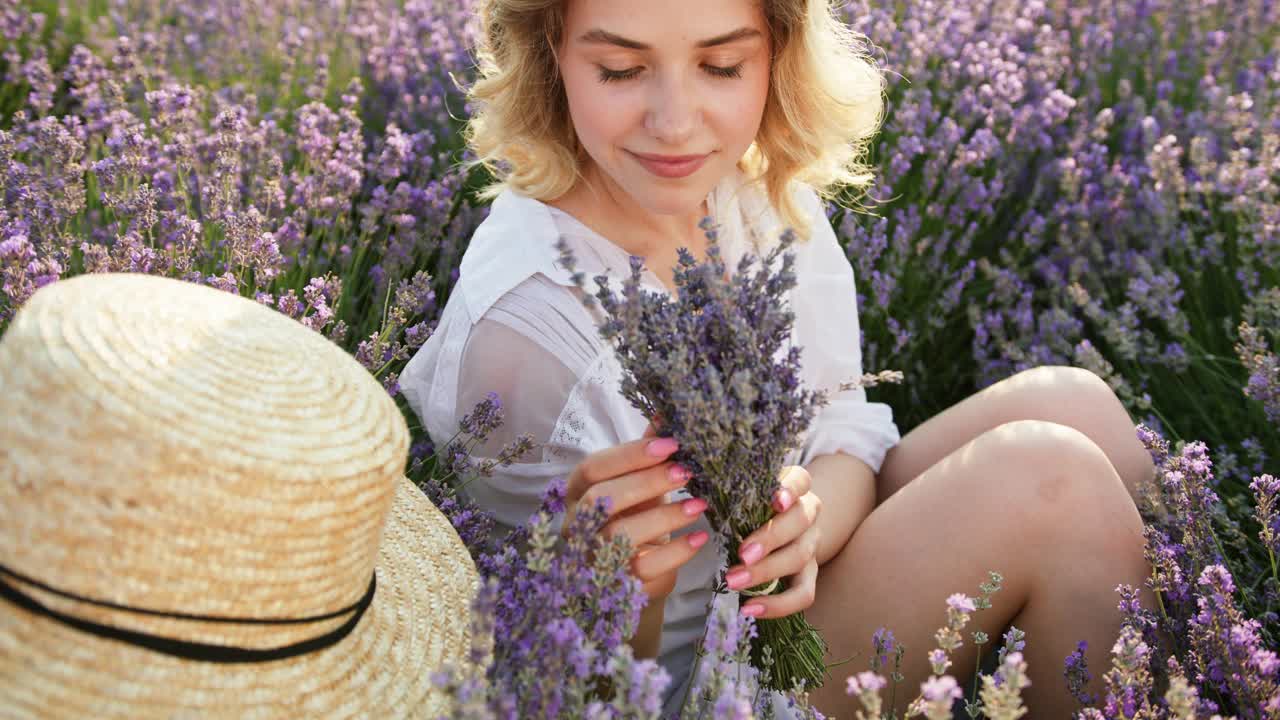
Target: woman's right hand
column 637, row 476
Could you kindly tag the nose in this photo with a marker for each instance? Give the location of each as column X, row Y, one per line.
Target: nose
column 674, row 110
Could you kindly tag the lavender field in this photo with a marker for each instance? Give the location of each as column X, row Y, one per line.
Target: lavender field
column 1088, row 182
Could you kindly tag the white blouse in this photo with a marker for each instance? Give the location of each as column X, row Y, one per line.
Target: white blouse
column 515, row 324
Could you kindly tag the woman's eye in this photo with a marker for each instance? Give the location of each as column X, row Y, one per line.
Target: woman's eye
column 726, row 72
column 607, row 75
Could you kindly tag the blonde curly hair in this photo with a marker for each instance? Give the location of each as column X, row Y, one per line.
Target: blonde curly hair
column 825, row 104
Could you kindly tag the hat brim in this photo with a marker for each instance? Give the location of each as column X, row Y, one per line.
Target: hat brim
column 417, row 622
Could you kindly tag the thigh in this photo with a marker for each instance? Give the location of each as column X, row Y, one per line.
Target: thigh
column 999, row 502
column 1068, row 396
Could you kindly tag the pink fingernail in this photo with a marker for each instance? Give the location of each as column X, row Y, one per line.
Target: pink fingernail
column 662, row 447
column 785, row 499
column 737, row 579
column 751, row 553
column 693, row 506
column 679, row 474
column 752, row 610
column 698, row 539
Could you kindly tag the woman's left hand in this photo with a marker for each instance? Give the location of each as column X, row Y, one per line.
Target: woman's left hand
column 785, row 547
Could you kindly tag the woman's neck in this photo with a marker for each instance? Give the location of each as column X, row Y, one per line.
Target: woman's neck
column 661, row 253
column 608, row 211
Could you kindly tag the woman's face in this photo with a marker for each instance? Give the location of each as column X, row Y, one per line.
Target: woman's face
column 665, row 78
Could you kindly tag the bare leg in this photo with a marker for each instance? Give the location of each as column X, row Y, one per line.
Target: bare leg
column 1037, row 501
column 1068, row 396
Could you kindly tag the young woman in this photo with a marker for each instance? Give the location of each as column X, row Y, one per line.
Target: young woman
column 618, row 125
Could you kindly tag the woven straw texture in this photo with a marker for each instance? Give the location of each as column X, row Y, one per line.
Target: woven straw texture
column 170, row 446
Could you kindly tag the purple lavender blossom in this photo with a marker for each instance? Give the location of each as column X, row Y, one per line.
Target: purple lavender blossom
column 1266, row 492
column 589, row 604
column 1264, row 370
column 1076, row 670
column 1230, row 655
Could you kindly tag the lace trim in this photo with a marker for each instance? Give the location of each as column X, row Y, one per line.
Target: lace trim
column 568, row 435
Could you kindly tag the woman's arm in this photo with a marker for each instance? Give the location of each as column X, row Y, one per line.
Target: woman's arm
column 847, row 488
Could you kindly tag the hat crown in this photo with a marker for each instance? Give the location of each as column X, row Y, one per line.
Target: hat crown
column 181, row 449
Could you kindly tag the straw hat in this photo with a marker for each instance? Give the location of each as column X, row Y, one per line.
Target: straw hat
column 175, row 449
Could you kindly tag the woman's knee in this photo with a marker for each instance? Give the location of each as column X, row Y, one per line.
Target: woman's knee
column 1066, row 387
column 1081, row 399
column 1070, row 484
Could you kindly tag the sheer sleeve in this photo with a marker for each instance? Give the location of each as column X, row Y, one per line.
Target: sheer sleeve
column 530, row 381
column 825, row 304
column 533, row 348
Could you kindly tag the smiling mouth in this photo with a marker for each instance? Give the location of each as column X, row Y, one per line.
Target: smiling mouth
column 669, row 166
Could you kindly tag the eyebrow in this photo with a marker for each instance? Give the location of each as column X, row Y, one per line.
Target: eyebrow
column 604, row 37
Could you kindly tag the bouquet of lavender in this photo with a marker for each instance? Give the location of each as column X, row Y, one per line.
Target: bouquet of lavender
column 710, row 369
column 588, row 606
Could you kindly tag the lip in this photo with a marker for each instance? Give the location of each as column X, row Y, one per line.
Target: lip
column 671, row 166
